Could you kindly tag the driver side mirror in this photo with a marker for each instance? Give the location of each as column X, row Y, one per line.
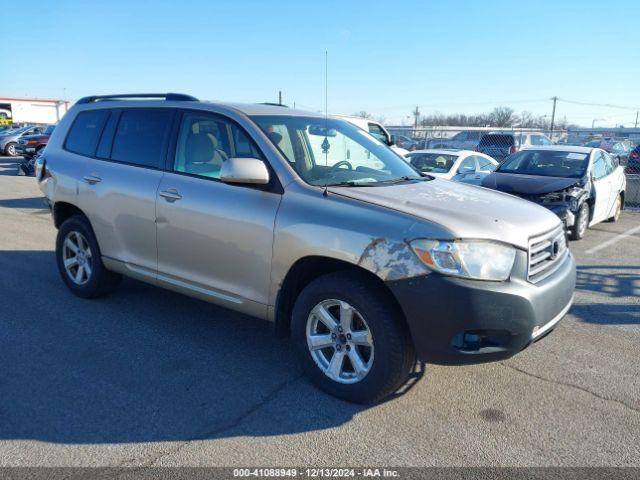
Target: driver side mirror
column 250, row 171
column 465, row 170
column 392, row 140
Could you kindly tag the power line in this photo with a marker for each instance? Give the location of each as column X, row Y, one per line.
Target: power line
column 607, row 105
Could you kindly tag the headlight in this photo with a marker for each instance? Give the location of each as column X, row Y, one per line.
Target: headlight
column 476, row 259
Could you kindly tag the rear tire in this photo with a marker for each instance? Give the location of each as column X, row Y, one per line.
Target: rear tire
column 582, row 222
column 80, row 262
column 375, row 316
column 616, row 211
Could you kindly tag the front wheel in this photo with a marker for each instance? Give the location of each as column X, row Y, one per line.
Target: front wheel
column 582, row 222
column 11, row 150
column 351, row 337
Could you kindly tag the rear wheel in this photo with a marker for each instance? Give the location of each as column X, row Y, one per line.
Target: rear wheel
column 79, row 260
column 616, row 210
column 582, row 222
column 351, row 337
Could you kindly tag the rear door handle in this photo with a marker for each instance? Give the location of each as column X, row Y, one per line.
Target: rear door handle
column 92, row 179
column 170, row 195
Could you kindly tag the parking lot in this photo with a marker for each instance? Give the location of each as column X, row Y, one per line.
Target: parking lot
column 149, row 377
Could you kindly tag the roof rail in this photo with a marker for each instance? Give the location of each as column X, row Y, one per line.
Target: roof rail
column 178, row 97
column 274, row 104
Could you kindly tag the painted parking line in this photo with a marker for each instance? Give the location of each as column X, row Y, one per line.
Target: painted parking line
column 613, row 240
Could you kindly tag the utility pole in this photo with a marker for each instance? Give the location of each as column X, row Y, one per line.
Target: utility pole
column 637, row 119
column 553, row 116
column 416, row 114
column 279, row 97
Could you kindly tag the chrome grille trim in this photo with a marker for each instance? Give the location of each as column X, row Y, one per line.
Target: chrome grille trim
column 546, row 253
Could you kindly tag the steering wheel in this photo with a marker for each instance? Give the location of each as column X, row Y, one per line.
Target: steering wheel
column 340, row 163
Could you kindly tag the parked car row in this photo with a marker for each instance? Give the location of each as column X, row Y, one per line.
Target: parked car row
column 582, row 185
column 25, row 141
column 309, row 222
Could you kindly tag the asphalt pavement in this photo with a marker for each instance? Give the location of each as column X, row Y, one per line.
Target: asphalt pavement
column 149, row 377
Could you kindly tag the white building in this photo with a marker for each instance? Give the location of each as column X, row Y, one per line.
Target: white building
column 32, row 110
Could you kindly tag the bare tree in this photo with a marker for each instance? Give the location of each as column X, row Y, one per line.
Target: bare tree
column 362, row 114
column 502, row 117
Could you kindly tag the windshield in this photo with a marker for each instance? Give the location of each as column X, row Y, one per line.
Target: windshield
column 546, row 163
column 16, row 131
column 432, row 162
column 334, row 152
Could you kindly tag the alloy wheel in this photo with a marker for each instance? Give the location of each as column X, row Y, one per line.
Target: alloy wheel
column 583, row 222
column 340, row 341
column 77, row 258
column 11, row 150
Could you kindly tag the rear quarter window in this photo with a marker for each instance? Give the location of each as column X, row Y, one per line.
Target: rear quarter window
column 84, row 133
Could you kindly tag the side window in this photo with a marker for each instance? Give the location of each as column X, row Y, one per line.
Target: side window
column 468, row 165
column 599, row 167
column 536, row 140
column 141, row 136
column 485, row 164
column 244, row 147
column 85, row 132
column 205, row 142
column 460, row 137
column 377, row 132
column 610, row 162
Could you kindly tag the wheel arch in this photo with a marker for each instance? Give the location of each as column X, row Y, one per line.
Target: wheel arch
column 64, row 210
column 303, row 272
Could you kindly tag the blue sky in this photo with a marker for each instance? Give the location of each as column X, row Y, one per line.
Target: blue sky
column 384, row 57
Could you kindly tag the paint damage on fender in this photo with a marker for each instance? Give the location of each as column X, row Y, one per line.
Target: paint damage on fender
column 391, row 260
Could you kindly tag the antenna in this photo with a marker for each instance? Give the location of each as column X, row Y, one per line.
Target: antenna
column 326, row 116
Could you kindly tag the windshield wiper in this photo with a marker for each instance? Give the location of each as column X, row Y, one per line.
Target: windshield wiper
column 401, row 180
column 350, row 183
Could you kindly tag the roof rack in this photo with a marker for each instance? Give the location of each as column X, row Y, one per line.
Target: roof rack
column 274, row 104
column 177, row 97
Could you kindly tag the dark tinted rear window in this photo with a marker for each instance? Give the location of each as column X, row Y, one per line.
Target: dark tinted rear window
column 499, row 140
column 85, row 132
column 140, row 137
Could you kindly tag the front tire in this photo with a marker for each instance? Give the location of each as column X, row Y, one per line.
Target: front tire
column 10, row 149
column 351, row 337
column 581, row 223
column 79, row 260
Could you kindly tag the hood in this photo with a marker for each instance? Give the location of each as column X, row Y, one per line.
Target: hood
column 526, row 184
column 466, row 211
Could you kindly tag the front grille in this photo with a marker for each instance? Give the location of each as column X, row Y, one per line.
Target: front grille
column 546, row 253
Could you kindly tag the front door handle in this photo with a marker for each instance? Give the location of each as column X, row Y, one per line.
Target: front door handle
column 92, row 179
column 170, row 195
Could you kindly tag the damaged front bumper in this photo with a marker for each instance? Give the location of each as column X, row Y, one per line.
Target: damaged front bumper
column 460, row 321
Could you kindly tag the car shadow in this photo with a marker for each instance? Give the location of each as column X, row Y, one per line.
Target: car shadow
column 616, row 281
column 143, row 365
column 31, row 202
column 607, row 314
column 9, row 165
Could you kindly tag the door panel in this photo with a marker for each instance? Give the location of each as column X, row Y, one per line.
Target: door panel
column 602, row 187
column 214, row 239
column 120, row 201
column 216, row 236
